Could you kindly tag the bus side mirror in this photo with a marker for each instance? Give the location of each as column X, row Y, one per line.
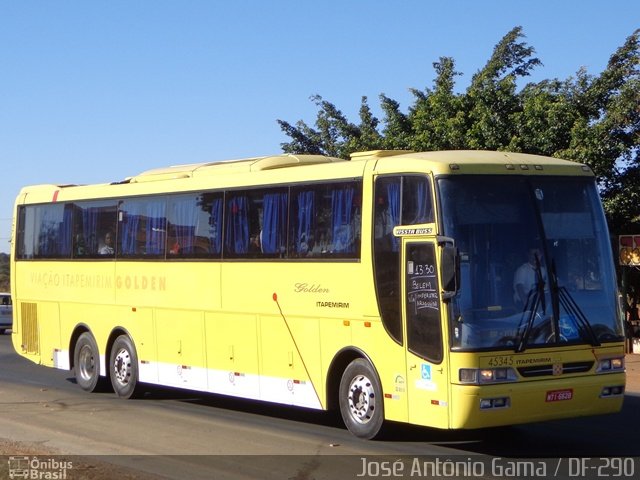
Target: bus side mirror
column 450, row 268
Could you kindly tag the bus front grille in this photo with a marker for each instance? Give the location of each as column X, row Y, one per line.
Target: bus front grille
column 544, row 370
column 29, row 326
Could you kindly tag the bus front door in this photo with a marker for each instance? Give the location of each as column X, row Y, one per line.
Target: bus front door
column 427, row 377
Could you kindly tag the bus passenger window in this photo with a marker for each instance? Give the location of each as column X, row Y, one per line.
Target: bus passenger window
column 194, row 225
column 343, row 219
column 326, row 221
column 416, row 200
column 243, row 226
column 142, row 227
column 52, row 236
column 386, row 213
column 386, row 254
column 92, row 221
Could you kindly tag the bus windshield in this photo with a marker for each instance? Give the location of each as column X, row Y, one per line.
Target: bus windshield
column 535, row 263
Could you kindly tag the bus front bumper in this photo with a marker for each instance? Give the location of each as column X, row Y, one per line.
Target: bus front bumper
column 474, row 406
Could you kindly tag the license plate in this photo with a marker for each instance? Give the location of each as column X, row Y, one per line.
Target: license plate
column 559, row 395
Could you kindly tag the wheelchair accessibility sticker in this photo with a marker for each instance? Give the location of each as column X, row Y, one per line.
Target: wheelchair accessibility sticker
column 425, row 382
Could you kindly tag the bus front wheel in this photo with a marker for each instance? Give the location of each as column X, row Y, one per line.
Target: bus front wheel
column 361, row 401
column 86, row 362
column 124, row 367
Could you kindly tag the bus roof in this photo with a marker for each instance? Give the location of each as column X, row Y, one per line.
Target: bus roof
column 474, row 161
column 232, row 166
column 270, row 169
column 484, row 162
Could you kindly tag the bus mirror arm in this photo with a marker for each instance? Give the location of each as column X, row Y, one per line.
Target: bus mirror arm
column 450, row 268
column 442, row 240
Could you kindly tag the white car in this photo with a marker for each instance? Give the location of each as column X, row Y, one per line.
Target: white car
column 6, row 312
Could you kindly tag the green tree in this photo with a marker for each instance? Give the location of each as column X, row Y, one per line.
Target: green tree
column 491, row 99
column 438, row 116
column 606, row 134
column 594, row 119
column 334, row 135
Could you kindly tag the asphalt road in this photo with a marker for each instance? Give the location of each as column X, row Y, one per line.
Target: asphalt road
column 177, row 434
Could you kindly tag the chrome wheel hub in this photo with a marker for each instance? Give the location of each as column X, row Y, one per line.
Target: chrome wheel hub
column 362, row 399
column 122, row 367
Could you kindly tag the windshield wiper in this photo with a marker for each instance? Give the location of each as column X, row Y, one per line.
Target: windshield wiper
column 536, row 298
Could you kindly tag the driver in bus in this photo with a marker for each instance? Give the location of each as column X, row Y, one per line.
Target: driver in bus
column 525, row 278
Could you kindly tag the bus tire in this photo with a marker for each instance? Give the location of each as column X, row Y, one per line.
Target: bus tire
column 86, row 363
column 361, row 400
column 123, row 363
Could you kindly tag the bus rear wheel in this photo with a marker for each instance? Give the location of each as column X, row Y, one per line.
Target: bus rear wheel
column 124, row 367
column 361, row 401
column 86, row 362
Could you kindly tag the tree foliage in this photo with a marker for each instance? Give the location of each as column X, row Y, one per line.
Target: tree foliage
column 594, row 119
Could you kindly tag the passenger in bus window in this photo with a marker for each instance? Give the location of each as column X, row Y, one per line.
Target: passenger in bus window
column 255, row 243
column 79, row 245
column 107, row 247
column 175, row 248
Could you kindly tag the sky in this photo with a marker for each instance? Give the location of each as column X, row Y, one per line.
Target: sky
column 96, row 91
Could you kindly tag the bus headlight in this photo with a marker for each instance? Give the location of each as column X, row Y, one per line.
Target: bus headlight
column 479, row 376
column 608, row 365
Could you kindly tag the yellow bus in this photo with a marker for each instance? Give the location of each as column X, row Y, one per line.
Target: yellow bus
column 459, row 289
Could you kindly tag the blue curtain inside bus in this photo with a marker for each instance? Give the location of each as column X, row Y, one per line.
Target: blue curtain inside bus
column 274, row 223
column 393, row 212
column 237, row 231
column 156, row 228
column 186, row 219
column 129, row 228
column 341, row 208
column 423, row 213
column 66, row 232
column 304, row 232
column 215, row 226
column 89, row 229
